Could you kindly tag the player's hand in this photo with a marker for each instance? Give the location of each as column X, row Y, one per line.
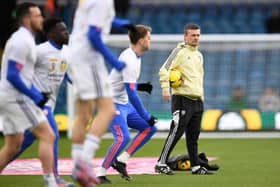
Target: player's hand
column 166, row 95
column 123, row 23
column 146, row 87
column 45, row 99
column 119, row 65
column 153, row 120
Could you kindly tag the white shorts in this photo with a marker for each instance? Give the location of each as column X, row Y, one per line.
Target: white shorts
column 90, row 76
column 20, row 115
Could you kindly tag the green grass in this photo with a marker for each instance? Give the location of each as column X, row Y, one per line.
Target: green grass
column 243, row 162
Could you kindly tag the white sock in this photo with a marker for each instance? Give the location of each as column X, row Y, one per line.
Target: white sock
column 195, row 168
column 76, row 152
column 49, row 180
column 91, row 145
column 101, row 172
column 123, row 157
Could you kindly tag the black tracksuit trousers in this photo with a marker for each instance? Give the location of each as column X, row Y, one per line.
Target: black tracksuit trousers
column 186, row 117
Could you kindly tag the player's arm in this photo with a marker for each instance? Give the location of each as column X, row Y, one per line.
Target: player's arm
column 94, row 35
column 119, row 23
column 166, row 67
column 13, row 76
column 164, row 73
column 137, row 103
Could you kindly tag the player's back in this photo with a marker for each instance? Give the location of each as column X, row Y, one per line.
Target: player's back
column 20, row 48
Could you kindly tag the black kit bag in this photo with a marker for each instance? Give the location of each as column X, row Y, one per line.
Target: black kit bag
column 182, row 162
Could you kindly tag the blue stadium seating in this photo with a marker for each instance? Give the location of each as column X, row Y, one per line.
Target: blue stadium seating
column 213, row 18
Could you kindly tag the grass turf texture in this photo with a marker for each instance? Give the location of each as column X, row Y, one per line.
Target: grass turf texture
column 244, row 163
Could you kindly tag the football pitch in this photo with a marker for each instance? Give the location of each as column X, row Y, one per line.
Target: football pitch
column 246, row 162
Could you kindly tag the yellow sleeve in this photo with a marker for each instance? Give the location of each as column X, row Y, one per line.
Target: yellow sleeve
column 165, row 69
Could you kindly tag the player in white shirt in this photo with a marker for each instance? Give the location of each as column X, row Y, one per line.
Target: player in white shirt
column 130, row 111
column 90, row 79
column 50, row 71
column 20, row 100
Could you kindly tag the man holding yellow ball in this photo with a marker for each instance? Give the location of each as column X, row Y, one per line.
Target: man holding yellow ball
column 187, row 99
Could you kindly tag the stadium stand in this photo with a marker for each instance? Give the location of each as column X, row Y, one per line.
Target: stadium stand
column 213, row 18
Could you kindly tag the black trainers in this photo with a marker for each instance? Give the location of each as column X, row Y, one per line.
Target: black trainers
column 104, row 180
column 121, row 168
column 202, row 171
column 163, row 168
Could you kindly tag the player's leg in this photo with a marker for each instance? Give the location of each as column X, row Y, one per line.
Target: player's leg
column 93, row 89
column 40, row 128
column 20, row 116
column 49, row 113
column 46, row 138
column 179, row 118
column 10, row 148
column 83, row 168
column 192, row 135
column 28, row 140
column 145, row 131
column 120, row 131
column 89, row 80
column 105, row 114
column 83, row 80
column 14, row 124
column 94, row 92
column 82, row 171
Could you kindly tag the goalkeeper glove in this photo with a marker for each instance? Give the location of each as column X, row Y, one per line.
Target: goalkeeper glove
column 146, row 87
column 152, row 120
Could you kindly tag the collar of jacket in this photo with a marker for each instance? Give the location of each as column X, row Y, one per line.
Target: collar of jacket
column 191, row 48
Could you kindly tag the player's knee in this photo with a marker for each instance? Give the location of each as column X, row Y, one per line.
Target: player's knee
column 126, row 139
column 110, row 110
column 85, row 118
column 48, row 136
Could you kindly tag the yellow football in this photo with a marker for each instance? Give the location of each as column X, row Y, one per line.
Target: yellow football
column 184, row 165
column 175, row 78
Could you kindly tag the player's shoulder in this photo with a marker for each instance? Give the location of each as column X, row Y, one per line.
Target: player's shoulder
column 44, row 47
column 128, row 52
column 199, row 53
column 21, row 38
